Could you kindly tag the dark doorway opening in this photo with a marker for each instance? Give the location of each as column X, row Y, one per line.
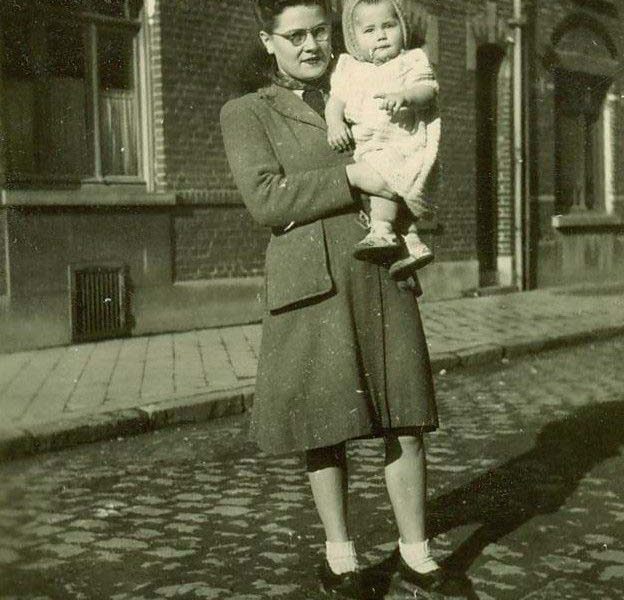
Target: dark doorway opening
column 489, row 59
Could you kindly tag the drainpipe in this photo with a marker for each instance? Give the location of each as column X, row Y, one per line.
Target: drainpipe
column 528, row 73
column 517, row 23
column 149, row 139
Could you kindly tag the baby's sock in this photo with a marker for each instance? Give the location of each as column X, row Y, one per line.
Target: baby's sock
column 418, row 557
column 341, row 557
column 378, row 227
column 413, row 229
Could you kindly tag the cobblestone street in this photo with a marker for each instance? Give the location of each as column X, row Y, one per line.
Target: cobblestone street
column 526, row 499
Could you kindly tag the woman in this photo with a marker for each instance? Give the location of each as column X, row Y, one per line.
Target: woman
column 343, row 352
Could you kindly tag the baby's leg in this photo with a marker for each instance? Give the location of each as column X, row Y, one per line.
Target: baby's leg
column 418, row 254
column 383, row 213
column 381, row 243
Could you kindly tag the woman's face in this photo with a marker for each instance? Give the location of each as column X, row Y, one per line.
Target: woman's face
column 309, row 60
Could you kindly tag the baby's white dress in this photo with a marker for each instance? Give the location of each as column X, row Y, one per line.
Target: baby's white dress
column 402, row 148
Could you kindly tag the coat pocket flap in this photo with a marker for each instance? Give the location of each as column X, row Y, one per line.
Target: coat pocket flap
column 296, row 266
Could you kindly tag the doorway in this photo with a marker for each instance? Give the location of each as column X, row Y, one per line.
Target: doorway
column 489, row 60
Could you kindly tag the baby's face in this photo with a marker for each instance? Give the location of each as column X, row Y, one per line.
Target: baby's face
column 378, row 30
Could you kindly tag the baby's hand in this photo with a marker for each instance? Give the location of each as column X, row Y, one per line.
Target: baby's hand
column 391, row 103
column 339, row 137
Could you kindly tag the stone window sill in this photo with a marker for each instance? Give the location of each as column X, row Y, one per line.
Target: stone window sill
column 586, row 220
column 86, row 196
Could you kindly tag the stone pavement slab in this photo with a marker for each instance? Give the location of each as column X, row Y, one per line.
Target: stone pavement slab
column 58, row 397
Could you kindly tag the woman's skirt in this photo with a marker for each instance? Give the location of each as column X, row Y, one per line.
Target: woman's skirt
column 351, row 364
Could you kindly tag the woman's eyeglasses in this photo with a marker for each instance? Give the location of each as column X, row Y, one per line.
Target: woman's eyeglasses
column 297, row 37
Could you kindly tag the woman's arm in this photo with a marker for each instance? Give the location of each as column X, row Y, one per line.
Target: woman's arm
column 273, row 198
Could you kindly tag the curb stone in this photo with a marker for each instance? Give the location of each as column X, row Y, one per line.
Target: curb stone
column 198, row 408
column 70, row 432
column 523, row 345
column 86, row 428
column 15, row 442
column 444, row 361
column 479, row 355
column 206, row 406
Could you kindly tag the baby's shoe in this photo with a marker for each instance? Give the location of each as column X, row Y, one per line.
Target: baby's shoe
column 380, row 244
column 419, row 255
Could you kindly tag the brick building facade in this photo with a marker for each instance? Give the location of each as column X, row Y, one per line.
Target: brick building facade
column 129, row 174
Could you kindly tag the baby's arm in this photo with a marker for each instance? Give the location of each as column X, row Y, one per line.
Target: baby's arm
column 419, row 96
column 339, row 134
column 420, row 89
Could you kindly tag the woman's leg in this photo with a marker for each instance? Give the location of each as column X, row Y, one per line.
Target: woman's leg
column 340, row 574
column 327, row 472
column 406, row 481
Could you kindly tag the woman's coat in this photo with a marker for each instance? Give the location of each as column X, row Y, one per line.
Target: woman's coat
column 343, row 353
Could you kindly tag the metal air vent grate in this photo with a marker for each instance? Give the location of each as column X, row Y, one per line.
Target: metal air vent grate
column 98, row 303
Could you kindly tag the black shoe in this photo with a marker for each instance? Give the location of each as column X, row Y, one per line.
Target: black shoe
column 347, row 585
column 428, row 582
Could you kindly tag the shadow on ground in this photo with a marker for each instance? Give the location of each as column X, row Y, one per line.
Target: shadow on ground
column 503, row 499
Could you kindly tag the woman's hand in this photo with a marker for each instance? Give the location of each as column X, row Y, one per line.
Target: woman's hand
column 339, row 136
column 369, row 181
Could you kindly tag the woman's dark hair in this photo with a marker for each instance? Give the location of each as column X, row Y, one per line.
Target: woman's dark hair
column 257, row 65
column 268, row 10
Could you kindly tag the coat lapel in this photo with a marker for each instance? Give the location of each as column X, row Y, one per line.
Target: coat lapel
column 288, row 103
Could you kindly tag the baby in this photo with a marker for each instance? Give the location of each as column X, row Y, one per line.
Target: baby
column 381, row 100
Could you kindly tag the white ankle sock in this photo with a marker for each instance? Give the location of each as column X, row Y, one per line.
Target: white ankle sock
column 418, row 557
column 381, row 227
column 341, row 557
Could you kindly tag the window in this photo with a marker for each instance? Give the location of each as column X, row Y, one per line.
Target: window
column 71, row 91
column 580, row 142
column 585, row 63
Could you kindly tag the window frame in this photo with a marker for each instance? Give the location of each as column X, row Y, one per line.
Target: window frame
column 91, row 25
column 595, row 160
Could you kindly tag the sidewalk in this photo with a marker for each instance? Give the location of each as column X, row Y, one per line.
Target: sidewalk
column 60, row 397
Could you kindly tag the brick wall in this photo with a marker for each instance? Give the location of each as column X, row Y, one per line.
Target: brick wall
column 201, row 53
column 457, row 152
column 227, row 243
column 457, row 198
column 199, row 56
